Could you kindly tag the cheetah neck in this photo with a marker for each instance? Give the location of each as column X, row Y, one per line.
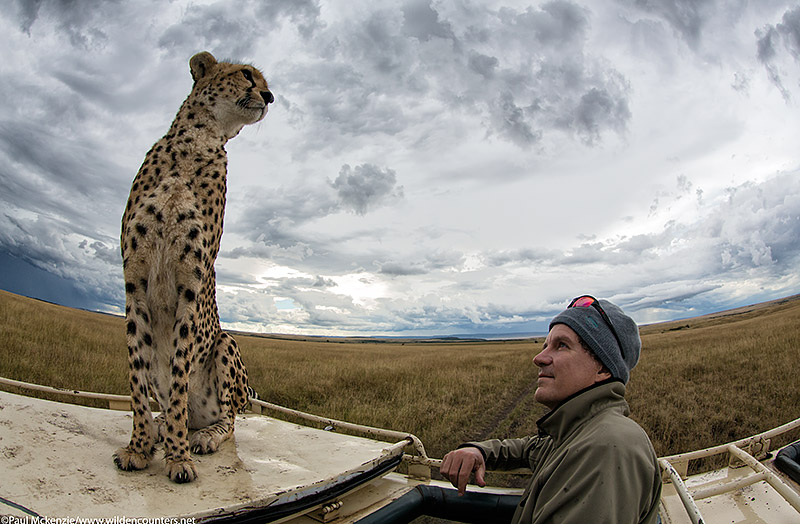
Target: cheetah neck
column 208, row 121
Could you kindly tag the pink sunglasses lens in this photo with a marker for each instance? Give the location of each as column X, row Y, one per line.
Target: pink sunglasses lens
column 583, row 302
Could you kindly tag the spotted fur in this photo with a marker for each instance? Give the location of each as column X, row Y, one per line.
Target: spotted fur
column 171, row 230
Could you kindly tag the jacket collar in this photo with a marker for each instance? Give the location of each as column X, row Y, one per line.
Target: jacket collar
column 581, row 406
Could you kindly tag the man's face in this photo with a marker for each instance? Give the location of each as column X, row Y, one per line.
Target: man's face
column 565, row 367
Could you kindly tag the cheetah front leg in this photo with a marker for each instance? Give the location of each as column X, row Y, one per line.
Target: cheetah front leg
column 138, row 453
column 229, row 380
column 179, row 465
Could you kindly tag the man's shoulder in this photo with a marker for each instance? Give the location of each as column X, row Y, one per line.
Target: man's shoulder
column 610, row 428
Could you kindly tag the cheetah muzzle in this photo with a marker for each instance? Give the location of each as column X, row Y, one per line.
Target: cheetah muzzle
column 171, row 230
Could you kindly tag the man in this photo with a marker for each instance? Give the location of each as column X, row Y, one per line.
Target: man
column 590, row 462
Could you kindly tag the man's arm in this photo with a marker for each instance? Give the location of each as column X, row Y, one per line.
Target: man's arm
column 509, row 453
column 476, row 457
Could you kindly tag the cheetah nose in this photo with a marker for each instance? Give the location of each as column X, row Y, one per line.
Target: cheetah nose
column 267, row 96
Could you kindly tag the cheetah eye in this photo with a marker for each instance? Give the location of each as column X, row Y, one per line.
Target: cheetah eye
column 247, row 74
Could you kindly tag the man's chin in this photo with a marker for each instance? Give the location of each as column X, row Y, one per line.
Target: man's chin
column 542, row 397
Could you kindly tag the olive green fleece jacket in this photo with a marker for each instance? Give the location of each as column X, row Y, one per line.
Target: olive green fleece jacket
column 590, row 462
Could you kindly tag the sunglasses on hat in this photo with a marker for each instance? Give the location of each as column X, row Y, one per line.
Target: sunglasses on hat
column 590, row 301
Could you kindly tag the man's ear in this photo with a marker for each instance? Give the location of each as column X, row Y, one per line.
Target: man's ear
column 201, row 65
column 602, row 374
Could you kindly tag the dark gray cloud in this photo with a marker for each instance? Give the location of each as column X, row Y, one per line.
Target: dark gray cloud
column 406, row 264
column 20, row 277
column 522, row 256
column 401, row 270
column 672, row 297
column 303, row 15
column 233, row 34
column 276, row 221
column 27, row 12
column 560, row 86
column 57, row 176
column 334, row 98
column 421, row 21
column 82, row 21
column 772, row 40
column 365, row 187
column 436, row 313
column 54, row 247
column 512, row 122
column 686, row 17
column 597, row 109
column 227, row 33
column 484, row 65
column 556, row 23
column 525, row 74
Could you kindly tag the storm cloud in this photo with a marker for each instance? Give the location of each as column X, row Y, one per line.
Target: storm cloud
column 365, row 186
column 775, row 39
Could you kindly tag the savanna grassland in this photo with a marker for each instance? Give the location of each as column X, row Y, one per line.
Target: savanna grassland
column 700, row 382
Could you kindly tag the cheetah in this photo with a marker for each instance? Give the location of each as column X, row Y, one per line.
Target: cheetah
column 171, row 231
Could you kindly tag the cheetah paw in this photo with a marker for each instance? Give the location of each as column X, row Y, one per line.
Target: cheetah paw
column 204, row 442
column 181, row 471
column 129, row 460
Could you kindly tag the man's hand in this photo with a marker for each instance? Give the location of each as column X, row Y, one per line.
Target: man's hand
column 458, row 465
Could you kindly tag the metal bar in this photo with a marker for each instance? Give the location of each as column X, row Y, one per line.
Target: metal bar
column 785, row 491
column 370, row 431
column 62, row 391
column 722, row 448
column 725, row 487
column 688, row 502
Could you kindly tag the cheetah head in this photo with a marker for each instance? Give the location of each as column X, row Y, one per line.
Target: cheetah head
column 236, row 95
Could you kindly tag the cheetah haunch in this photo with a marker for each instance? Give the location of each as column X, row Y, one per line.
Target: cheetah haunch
column 171, row 233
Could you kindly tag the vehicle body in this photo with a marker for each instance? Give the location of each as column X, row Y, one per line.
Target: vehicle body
column 55, row 461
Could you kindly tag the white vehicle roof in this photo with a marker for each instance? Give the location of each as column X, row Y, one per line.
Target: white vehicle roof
column 56, row 462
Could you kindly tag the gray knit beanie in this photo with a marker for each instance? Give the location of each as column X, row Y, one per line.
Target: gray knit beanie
column 593, row 330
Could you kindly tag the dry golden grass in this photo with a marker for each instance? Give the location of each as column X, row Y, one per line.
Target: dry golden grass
column 716, row 379
column 442, row 392
column 61, row 347
column 721, row 378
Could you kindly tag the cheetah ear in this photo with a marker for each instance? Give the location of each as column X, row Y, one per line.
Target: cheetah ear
column 201, row 64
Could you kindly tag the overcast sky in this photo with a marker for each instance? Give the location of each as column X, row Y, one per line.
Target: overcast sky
column 428, row 167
